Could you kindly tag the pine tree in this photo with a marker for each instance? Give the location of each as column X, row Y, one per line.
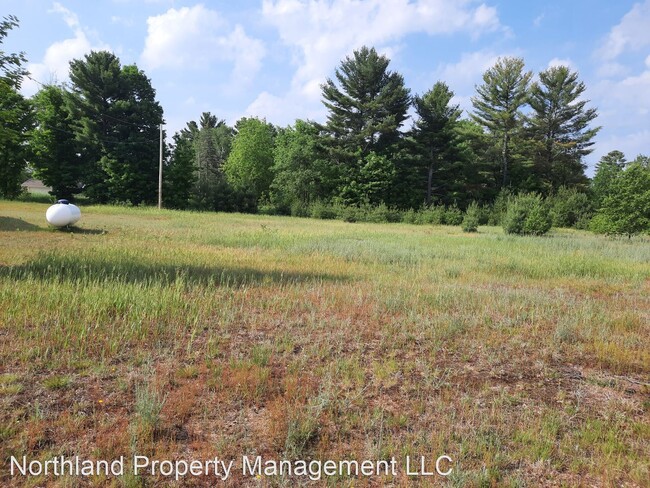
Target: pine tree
column 370, row 106
column 498, row 102
column 560, row 128
column 180, row 174
column 118, row 122
column 436, row 137
column 53, row 144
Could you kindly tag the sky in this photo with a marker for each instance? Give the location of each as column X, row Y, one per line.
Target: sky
column 268, row 58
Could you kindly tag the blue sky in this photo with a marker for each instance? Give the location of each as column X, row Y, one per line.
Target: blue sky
column 267, row 58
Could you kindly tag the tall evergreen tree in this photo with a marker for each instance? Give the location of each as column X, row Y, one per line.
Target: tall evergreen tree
column 53, row 144
column 370, row 106
column 118, row 122
column 211, row 141
column 436, row 136
column 366, row 110
column 560, row 128
column 180, row 173
column 498, row 103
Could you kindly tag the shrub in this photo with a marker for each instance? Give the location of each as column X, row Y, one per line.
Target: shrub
column 527, row 214
column 348, row 213
column 410, row 217
column 268, row 209
column 471, row 219
column 382, row 213
column 433, row 215
column 499, row 208
column 321, row 210
column 299, row 209
column 453, row 215
column 570, row 207
column 625, row 209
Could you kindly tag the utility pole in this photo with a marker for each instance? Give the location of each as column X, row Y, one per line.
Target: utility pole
column 160, row 169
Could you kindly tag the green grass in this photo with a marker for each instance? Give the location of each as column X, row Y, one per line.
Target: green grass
column 179, row 334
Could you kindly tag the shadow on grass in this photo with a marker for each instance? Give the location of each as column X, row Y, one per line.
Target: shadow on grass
column 80, row 230
column 95, row 270
column 13, row 224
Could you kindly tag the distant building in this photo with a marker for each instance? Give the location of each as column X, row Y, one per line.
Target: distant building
column 35, row 186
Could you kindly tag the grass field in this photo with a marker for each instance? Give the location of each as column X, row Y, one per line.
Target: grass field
column 182, row 335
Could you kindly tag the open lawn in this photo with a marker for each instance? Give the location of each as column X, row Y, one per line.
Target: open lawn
column 188, row 336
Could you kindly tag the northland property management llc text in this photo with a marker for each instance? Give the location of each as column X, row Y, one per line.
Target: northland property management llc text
column 223, row 469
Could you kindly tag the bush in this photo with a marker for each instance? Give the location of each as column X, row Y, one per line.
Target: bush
column 569, row 207
column 453, row 216
column 348, row 213
column 434, row 215
column 625, row 210
column 410, row 216
column 471, row 219
column 322, row 210
column 527, row 214
column 499, row 208
column 268, row 209
column 299, row 209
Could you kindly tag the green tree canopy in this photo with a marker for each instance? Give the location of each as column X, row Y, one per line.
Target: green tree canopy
column 560, row 128
column 54, row 152
column 498, row 103
column 301, row 171
column 16, row 117
column 118, row 122
column 607, row 170
column 625, row 209
column 248, row 167
column 368, row 106
column 436, row 136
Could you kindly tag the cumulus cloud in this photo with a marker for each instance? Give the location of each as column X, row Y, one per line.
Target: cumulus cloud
column 196, row 37
column 631, row 33
column 322, row 32
column 56, row 62
column 555, row 62
column 623, row 92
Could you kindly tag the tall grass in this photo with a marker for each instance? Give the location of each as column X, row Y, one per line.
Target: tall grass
column 180, row 333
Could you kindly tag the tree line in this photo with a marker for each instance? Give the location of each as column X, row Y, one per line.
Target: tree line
column 98, row 136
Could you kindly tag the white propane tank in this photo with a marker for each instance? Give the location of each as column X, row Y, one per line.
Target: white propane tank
column 62, row 213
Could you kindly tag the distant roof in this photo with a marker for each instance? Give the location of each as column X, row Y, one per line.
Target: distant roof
column 32, row 184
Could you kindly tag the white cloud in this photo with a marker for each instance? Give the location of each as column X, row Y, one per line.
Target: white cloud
column 463, row 75
column 124, row 21
column 556, row 62
column 632, row 33
column 322, row 32
column 196, row 37
column 56, row 62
